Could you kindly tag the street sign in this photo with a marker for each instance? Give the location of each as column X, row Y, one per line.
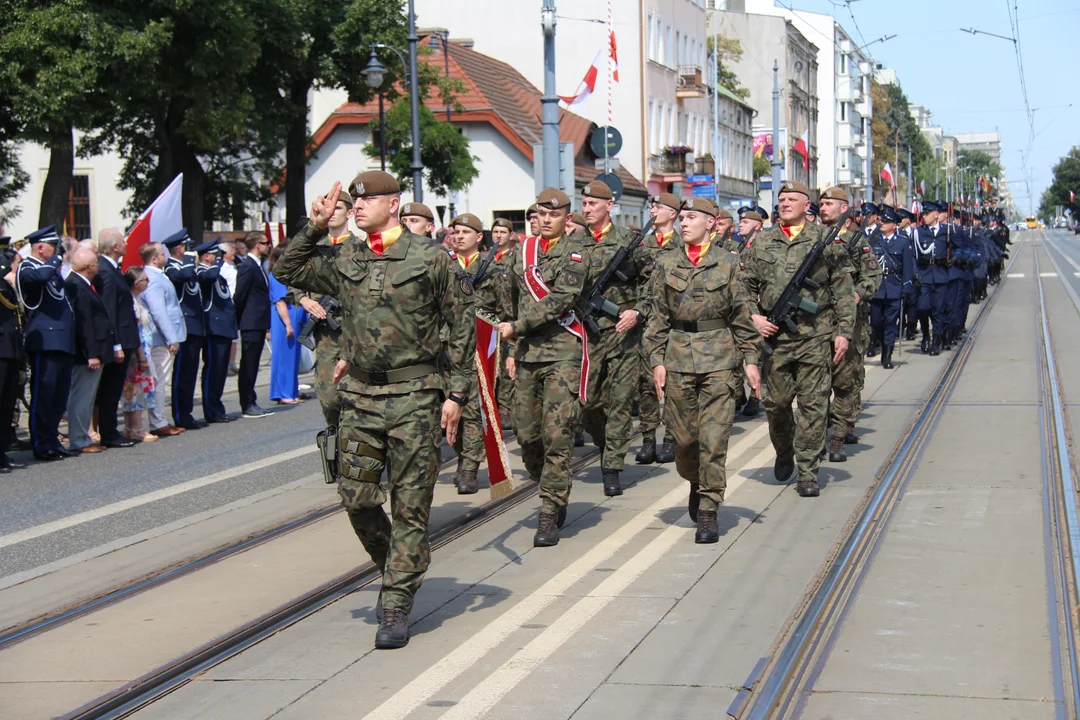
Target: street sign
column 612, row 163
column 705, row 191
column 701, row 180
column 611, row 136
column 612, row 181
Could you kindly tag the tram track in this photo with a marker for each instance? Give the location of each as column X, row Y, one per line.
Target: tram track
column 779, row 682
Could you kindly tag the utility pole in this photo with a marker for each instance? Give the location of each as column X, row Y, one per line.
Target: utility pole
column 549, row 103
column 910, row 174
column 776, row 133
column 414, row 98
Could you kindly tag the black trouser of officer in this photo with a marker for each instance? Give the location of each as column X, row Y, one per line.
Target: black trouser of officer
column 884, row 316
column 185, row 378
column 110, row 390
column 215, row 371
column 9, row 395
column 50, row 382
column 251, row 349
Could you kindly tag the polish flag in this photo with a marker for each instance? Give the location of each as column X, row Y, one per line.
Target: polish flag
column 614, row 58
column 159, row 221
column 266, row 227
column 488, row 361
column 887, row 176
column 587, row 86
column 280, row 233
column 802, row 146
column 915, row 208
column 922, row 188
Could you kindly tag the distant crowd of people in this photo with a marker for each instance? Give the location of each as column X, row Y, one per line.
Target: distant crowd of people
column 88, row 340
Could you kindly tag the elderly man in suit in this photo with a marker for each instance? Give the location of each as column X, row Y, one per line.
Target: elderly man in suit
column 252, row 302
column 169, row 331
column 95, row 346
column 120, row 305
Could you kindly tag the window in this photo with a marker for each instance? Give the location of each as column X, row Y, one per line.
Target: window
column 77, row 221
column 680, row 47
column 652, row 127
column 685, row 59
column 661, row 42
column 843, row 64
column 843, row 112
column 650, row 46
column 670, row 129
column 692, row 58
column 517, row 217
column 669, row 56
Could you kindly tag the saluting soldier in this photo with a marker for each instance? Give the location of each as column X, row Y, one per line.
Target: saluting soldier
column 664, row 240
column 849, row 376
column 397, row 289
column 221, row 329
column 699, row 334
column 180, row 269
column 800, row 364
column 894, row 256
column 551, row 358
column 615, row 360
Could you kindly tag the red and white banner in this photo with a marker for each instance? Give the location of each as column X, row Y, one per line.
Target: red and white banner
column 802, row 146
column 280, row 234
column 488, row 359
column 587, row 86
column 162, row 219
column 922, row 188
column 887, row 176
column 614, row 57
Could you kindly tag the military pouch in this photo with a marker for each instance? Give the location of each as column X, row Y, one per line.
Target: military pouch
column 360, row 469
column 326, row 441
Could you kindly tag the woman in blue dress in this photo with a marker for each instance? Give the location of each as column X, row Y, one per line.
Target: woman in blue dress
column 285, row 324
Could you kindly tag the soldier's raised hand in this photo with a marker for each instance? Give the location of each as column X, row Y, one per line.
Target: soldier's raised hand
column 323, row 206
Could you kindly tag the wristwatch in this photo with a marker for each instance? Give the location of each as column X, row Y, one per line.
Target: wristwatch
column 459, row 399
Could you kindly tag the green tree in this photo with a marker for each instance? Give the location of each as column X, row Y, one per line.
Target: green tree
column 444, row 150
column 728, row 52
column 1066, row 180
column 891, row 129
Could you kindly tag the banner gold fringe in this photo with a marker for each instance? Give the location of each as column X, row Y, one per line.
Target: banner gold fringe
column 504, row 488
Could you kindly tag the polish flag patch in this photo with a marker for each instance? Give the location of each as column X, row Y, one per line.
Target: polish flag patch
column 576, row 257
column 866, row 248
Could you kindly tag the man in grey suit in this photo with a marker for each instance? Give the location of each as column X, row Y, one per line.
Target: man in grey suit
column 169, row 331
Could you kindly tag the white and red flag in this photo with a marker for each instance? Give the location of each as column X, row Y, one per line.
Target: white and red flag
column 614, row 57
column 802, row 146
column 266, row 228
column 922, row 188
column 162, row 219
column 587, row 86
column 887, row 176
column 488, row 359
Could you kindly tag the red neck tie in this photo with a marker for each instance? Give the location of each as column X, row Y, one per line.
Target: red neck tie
column 544, row 245
column 375, row 243
column 598, row 235
column 694, row 253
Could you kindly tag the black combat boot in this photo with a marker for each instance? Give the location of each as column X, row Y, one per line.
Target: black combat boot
column 910, row 334
column 547, row 531
column 808, row 488
column 467, row 483
column 460, row 469
column 935, row 345
column 783, row 468
column 752, row 407
column 836, row 448
column 647, row 454
column 379, row 608
column 393, row 630
column 851, row 439
column 872, row 351
column 886, row 357
column 694, row 502
column 707, row 531
column 925, row 345
column 612, row 486
column 579, row 438
column 666, row 453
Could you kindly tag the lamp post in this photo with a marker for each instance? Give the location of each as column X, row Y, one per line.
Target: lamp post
column 414, row 98
column 374, row 74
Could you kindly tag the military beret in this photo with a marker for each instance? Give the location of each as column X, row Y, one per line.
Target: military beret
column 373, row 183
column 813, row 210
column 415, row 209
column 703, row 205
column 345, row 197
column 597, row 189
column 553, row 198
column 667, row 200
column 751, row 215
column 48, row 234
column 468, row 220
column 531, row 210
column 172, row 241
column 5, row 240
column 869, row 208
column 578, row 218
column 723, row 213
column 792, row 186
column 503, row 223
column 209, row 245
column 888, row 214
column 835, row 193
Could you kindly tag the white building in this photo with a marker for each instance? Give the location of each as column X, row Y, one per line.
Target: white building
column 985, row 142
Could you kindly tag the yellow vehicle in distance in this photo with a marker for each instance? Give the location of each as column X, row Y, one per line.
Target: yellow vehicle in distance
column 1032, row 223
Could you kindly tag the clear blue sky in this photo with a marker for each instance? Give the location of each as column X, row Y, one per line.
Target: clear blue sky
column 972, row 83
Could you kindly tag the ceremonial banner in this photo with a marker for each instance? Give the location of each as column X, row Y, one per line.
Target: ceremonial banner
column 488, row 357
column 157, row 222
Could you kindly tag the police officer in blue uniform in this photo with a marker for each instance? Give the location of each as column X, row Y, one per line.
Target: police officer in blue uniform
column 931, row 258
column 956, row 236
column 895, row 257
column 910, row 320
column 181, row 271
column 50, row 341
column 220, row 325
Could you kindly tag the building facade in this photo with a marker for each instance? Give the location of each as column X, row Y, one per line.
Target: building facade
column 989, row 143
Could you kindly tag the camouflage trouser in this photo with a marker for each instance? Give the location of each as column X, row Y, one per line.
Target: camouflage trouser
column 399, row 434
column 848, row 378
column 546, row 413
column 699, row 411
column 800, row 369
column 469, row 445
column 504, row 391
column 648, row 403
column 327, row 353
column 608, row 416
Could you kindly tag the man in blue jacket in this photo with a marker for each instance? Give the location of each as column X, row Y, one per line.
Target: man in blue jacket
column 931, row 255
column 894, row 255
column 169, row 331
column 181, row 271
column 220, row 320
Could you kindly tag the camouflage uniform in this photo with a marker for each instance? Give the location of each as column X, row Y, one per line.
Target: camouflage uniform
column 701, row 331
column 548, row 360
column 648, row 403
column 615, row 358
column 469, row 444
column 849, row 376
column 801, row 364
column 391, row 396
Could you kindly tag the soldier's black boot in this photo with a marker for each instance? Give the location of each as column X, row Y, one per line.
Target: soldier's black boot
column 925, row 345
column 935, row 345
column 647, row 454
column 579, row 438
column 886, row 357
column 910, row 334
column 547, row 531
column 460, row 469
column 872, row 351
column 393, row 630
column 612, row 486
column 693, row 502
column 666, row 453
column 836, row 448
column 808, row 488
column 752, row 407
column 467, row 483
column 707, row 531
column 851, row 439
column 783, row 468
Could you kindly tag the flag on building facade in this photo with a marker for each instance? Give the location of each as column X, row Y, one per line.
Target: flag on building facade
column 162, row 219
column 802, row 146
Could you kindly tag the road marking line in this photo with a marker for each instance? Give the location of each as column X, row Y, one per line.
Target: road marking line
column 1048, row 274
column 466, row 655
column 1015, row 275
column 37, row 531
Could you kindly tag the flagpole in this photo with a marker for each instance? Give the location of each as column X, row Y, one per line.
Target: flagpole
column 610, row 78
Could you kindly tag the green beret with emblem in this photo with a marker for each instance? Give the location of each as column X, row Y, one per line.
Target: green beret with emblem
column 373, row 183
column 468, row 220
column 598, row 189
column 835, row 193
column 503, row 223
column 553, row 198
column 415, row 209
column 702, row 205
column 792, row 186
column 668, row 200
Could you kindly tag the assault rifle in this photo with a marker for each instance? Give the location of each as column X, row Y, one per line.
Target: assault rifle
column 482, row 269
column 331, row 306
column 782, row 312
column 596, row 303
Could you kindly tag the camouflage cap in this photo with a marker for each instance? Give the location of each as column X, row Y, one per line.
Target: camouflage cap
column 667, row 200
column 503, row 223
column 792, row 186
column 553, row 198
column 835, row 193
column 373, row 183
column 415, row 209
column 597, row 189
column 577, row 218
column 703, row 205
column 468, row 220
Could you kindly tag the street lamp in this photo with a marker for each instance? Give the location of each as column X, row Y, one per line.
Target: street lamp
column 374, row 74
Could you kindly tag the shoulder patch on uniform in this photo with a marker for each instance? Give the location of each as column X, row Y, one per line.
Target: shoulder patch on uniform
column 576, row 257
column 866, row 249
column 839, row 239
column 452, row 254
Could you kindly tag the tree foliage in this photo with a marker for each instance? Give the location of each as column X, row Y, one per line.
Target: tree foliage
column 1066, row 179
column 893, row 131
column 728, row 52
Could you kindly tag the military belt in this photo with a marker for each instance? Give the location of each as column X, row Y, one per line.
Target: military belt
column 388, row 377
column 696, row 326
